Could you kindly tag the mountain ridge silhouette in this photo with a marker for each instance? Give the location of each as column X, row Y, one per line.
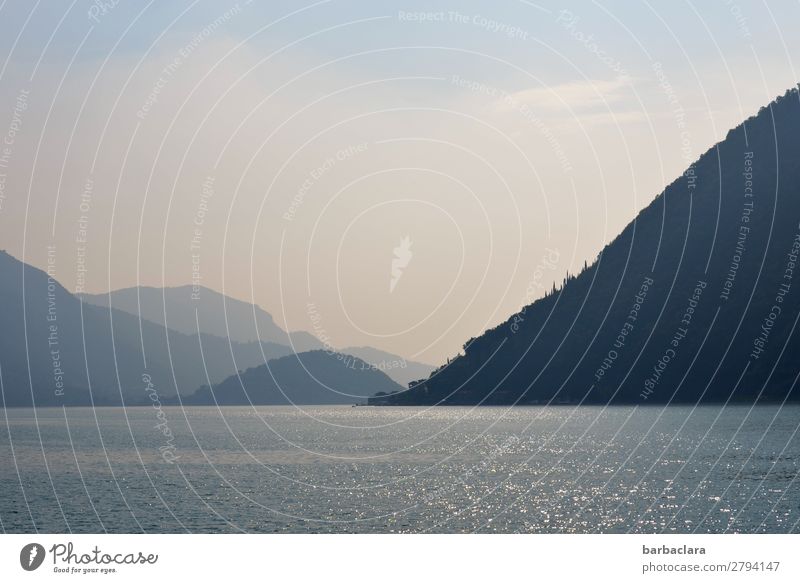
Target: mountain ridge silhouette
column 713, row 251
column 58, row 349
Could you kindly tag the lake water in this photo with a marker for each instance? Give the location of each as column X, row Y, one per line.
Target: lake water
column 367, row 469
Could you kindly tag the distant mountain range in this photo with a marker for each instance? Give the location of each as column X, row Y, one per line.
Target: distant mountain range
column 308, row 378
column 56, row 349
column 696, row 300
column 184, row 308
column 402, row 371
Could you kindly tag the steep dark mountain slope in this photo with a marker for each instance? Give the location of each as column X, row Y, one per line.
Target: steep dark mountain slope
column 696, row 300
column 44, row 329
column 308, row 378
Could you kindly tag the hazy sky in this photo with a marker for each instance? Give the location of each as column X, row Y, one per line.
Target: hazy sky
column 415, row 170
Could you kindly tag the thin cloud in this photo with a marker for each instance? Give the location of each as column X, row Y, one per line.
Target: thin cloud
column 576, row 95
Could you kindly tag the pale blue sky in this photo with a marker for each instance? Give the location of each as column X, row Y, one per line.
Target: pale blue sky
column 494, row 131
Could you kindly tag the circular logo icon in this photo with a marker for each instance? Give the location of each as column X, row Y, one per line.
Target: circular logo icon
column 31, row 556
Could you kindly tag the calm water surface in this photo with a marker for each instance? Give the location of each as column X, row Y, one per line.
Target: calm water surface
column 366, row 469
